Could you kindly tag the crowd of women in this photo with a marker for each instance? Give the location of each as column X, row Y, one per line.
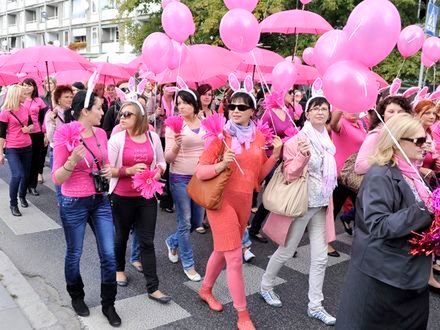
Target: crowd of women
column 393, row 150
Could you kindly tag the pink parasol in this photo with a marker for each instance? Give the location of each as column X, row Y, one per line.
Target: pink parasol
column 8, row 79
column 295, row 21
column 265, row 59
column 111, row 73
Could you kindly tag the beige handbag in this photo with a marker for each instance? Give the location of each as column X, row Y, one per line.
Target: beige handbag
column 287, row 198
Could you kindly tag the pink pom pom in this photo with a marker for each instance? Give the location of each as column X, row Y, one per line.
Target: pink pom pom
column 175, row 123
column 267, row 131
column 147, row 184
column 274, row 100
column 68, row 135
column 213, row 125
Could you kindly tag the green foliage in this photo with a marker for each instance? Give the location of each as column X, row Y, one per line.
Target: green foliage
column 208, row 13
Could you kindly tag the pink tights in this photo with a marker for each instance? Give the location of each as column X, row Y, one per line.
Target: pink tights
column 234, row 274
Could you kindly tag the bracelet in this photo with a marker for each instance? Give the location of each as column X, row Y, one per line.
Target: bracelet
column 67, row 169
column 429, row 172
column 122, row 172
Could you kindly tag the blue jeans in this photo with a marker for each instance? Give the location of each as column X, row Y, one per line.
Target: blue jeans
column 246, row 241
column 20, row 160
column 189, row 216
column 135, row 249
column 74, row 213
column 57, row 187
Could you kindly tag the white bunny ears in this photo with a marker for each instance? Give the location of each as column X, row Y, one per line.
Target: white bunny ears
column 132, row 95
column 317, row 91
column 248, row 87
column 395, row 87
column 181, row 86
column 424, row 95
column 90, row 87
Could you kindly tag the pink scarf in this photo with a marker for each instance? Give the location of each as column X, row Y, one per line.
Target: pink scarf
column 168, row 111
column 409, row 172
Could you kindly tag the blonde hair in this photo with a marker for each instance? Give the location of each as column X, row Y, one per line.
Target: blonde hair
column 12, row 101
column 402, row 125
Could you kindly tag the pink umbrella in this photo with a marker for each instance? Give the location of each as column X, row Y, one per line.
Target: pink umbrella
column 111, row 73
column 69, row 77
column 295, row 21
column 265, row 59
column 306, row 75
column 8, row 79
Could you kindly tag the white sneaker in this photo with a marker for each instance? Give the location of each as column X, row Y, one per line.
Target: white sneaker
column 193, row 277
column 271, row 298
column 174, row 258
column 322, row 315
column 248, row 255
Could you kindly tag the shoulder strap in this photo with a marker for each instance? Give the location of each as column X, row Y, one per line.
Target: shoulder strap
column 13, row 114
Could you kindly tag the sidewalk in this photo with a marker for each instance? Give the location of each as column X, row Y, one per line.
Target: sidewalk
column 11, row 316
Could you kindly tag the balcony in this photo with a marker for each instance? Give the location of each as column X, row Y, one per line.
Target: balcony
column 52, row 22
column 31, row 26
column 109, row 14
column 108, row 47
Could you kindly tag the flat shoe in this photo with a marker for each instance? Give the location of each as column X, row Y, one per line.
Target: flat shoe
column 201, row 230
column 162, row 299
column 334, row 254
column 33, row 192
column 15, row 211
column 23, row 202
column 168, row 210
column 140, row 269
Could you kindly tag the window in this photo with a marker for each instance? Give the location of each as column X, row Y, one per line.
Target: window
column 94, row 7
column 52, row 12
column 30, row 16
column 108, row 4
column 95, row 40
column 78, row 9
column 80, row 39
column 110, row 34
column 12, row 20
column 65, row 38
column 66, row 9
column 13, row 42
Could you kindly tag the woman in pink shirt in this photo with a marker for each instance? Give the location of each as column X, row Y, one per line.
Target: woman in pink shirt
column 36, row 108
column 16, row 145
column 132, row 151
column 206, row 97
column 83, row 175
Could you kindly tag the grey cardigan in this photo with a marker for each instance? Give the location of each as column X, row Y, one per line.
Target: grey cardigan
column 386, row 214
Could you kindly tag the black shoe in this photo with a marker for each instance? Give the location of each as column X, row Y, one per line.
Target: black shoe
column 334, row 254
column 80, row 307
column 23, row 202
column 162, row 299
column 168, row 210
column 259, row 237
column 33, row 192
column 15, row 211
column 111, row 315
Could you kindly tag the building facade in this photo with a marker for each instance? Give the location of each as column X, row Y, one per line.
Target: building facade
column 88, row 26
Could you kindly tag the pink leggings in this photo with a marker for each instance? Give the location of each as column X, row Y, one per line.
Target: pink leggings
column 234, row 274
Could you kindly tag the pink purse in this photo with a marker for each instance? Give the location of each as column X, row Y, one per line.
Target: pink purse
column 277, row 227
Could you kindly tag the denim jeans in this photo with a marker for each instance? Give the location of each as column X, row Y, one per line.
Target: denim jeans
column 246, row 241
column 20, row 160
column 74, row 213
column 189, row 216
column 135, row 249
column 57, row 187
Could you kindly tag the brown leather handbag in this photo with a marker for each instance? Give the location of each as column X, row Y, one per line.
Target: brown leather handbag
column 209, row 193
column 348, row 177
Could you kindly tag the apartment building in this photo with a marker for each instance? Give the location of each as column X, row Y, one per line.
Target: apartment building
column 89, row 26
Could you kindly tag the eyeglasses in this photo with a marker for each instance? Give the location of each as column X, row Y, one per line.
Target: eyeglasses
column 240, row 107
column 317, row 109
column 127, row 114
column 417, row 141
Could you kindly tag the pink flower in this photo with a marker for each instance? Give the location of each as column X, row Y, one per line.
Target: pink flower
column 147, row 184
column 68, row 135
column 213, row 125
column 275, row 100
column 267, row 131
column 291, row 131
column 175, row 123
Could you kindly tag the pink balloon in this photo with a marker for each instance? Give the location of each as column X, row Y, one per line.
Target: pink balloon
column 239, row 30
column 156, row 51
column 296, row 60
column 177, row 21
column 178, row 53
column 305, row 2
column 284, row 75
column 431, row 48
column 426, row 61
column 308, row 55
column 167, row 2
column 410, row 40
column 350, row 86
column 248, row 5
column 332, row 47
column 373, row 29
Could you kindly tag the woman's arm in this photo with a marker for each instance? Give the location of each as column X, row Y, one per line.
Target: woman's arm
column 208, row 166
column 366, row 150
column 173, row 143
column 294, row 160
column 64, row 164
column 335, row 124
column 160, row 157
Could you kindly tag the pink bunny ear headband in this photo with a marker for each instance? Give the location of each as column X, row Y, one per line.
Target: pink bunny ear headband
column 424, row 95
column 90, row 87
column 248, row 87
column 181, row 86
column 395, row 87
column 133, row 94
column 316, row 92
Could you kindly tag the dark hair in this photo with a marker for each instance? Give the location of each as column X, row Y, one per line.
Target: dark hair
column 203, row 89
column 188, row 98
column 245, row 97
column 78, row 103
column 120, row 82
column 399, row 100
column 143, row 97
column 30, row 81
column 60, row 90
column 79, row 85
column 317, row 101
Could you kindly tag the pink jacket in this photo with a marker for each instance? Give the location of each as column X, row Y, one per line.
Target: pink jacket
column 294, row 163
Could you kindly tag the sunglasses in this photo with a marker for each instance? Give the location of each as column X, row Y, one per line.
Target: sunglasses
column 127, row 114
column 240, row 107
column 124, row 89
column 417, row 141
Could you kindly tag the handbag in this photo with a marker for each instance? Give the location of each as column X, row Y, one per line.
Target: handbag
column 209, row 193
column 277, row 227
column 348, row 177
column 287, row 198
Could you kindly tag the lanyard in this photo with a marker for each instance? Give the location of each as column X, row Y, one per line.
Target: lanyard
column 95, row 160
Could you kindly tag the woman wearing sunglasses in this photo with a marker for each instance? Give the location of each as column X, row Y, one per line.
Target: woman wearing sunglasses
column 132, row 151
column 229, row 222
column 386, row 287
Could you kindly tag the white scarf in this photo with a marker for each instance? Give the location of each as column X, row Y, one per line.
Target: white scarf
column 321, row 142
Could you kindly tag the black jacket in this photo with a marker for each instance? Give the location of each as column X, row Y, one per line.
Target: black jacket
column 386, row 214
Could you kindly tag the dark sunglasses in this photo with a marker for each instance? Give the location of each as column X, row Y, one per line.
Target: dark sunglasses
column 417, row 141
column 124, row 89
column 240, row 107
column 127, row 114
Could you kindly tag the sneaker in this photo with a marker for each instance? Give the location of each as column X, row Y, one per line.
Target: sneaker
column 172, row 254
column 322, row 315
column 271, row 298
column 248, row 255
column 193, row 276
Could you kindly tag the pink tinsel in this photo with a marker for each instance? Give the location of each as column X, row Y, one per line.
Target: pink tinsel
column 429, row 241
column 175, row 123
column 291, row 131
column 274, row 100
column 267, row 131
column 213, row 125
column 68, row 135
column 147, row 184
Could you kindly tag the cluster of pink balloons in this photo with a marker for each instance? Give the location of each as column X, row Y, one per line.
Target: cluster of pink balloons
column 239, row 29
column 431, row 51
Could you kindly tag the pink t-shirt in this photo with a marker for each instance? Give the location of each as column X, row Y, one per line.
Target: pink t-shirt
column 134, row 153
column 15, row 138
column 35, row 106
column 347, row 141
column 80, row 183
